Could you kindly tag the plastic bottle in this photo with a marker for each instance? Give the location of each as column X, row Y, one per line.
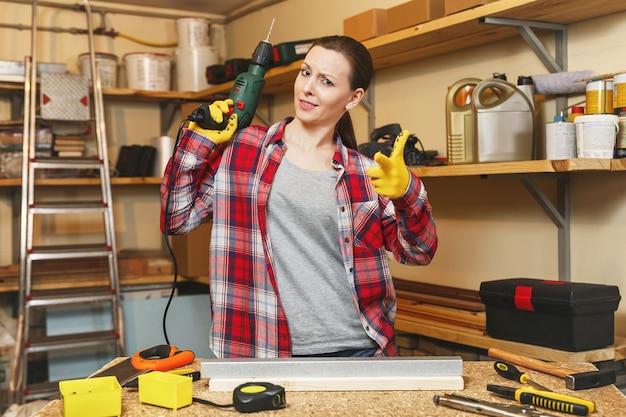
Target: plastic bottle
column 560, row 139
column 527, row 86
column 459, row 120
column 504, row 122
column 576, row 111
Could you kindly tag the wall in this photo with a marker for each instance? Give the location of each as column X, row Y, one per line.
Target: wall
column 489, row 229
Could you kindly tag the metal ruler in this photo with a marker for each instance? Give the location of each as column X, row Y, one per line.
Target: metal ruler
column 338, row 374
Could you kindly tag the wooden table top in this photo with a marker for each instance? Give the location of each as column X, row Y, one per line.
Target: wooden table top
column 609, row 401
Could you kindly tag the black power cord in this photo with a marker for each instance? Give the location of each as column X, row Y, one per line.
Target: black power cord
column 170, row 185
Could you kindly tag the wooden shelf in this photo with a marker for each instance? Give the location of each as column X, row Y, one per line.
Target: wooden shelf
column 492, row 168
column 523, row 167
column 457, row 32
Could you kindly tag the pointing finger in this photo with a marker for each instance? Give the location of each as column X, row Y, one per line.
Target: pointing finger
column 398, row 144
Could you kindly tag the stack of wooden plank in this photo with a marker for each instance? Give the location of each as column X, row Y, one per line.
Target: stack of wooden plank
column 454, row 309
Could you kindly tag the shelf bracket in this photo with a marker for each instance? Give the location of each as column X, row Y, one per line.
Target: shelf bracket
column 168, row 111
column 558, row 63
column 560, row 216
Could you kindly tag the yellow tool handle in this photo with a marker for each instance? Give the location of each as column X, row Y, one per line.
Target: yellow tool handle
column 531, row 363
column 555, row 396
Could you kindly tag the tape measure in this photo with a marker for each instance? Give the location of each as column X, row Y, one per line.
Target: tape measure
column 258, row 396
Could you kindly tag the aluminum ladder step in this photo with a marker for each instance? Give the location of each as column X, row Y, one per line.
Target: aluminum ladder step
column 71, row 297
column 71, row 341
column 69, row 252
column 67, row 163
column 76, row 207
column 41, row 391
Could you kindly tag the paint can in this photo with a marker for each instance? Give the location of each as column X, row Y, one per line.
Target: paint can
column 192, row 32
column 148, row 71
column 619, row 84
column 599, row 97
column 191, row 64
column 105, row 63
column 560, row 139
column 595, row 135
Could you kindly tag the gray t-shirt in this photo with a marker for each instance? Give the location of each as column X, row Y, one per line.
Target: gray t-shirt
column 312, row 282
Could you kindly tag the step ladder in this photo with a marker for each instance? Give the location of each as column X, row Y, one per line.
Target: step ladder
column 36, row 249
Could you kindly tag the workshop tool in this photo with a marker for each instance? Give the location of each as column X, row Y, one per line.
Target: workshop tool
column 258, row 396
column 574, row 380
column 162, row 358
column 511, row 372
column 545, row 399
column 338, row 373
column 487, row 408
column 188, row 372
column 246, row 90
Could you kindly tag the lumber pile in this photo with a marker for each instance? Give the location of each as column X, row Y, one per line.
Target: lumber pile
column 450, row 308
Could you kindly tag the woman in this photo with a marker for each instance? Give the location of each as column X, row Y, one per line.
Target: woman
column 301, row 221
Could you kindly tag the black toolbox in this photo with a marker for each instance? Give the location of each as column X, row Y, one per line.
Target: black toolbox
column 568, row 316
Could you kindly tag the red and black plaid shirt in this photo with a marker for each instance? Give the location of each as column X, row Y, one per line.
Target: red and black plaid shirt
column 231, row 184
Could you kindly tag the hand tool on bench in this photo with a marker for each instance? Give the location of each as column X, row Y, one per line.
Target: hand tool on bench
column 545, row 399
column 574, row 380
column 156, row 358
column 511, row 372
column 488, row 408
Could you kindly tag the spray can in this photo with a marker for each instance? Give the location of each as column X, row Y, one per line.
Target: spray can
column 560, row 139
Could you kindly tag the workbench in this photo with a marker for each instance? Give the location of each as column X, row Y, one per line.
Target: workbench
column 609, row 400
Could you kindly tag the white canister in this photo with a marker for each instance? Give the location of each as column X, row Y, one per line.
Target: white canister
column 595, row 135
column 164, row 147
column 191, row 66
column 148, row 71
column 106, row 65
column 192, row 31
column 560, row 140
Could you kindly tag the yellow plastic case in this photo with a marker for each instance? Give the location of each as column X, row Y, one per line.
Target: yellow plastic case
column 165, row 390
column 91, row 397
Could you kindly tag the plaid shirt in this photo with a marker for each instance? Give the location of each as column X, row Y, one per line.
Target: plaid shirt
column 231, row 183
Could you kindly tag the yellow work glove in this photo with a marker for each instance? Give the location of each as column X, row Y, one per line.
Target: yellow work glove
column 391, row 177
column 217, row 110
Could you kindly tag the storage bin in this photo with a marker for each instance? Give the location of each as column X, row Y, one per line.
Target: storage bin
column 165, row 390
column 91, row 397
column 562, row 315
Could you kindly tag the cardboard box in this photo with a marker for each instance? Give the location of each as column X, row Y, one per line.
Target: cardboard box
column 413, row 13
column 192, row 251
column 366, row 25
column 561, row 315
column 453, row 6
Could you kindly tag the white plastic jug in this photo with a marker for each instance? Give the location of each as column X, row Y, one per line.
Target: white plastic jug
column 459, row 121
column 504, row 122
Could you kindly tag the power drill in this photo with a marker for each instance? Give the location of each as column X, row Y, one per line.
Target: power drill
column 246, row 91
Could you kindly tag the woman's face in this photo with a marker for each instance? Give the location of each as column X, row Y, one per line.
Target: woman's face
column 322, row 90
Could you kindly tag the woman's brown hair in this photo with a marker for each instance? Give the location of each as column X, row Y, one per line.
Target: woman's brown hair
column 362, row 71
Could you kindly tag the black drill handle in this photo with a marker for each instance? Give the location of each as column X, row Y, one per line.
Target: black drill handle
column 202, row 116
